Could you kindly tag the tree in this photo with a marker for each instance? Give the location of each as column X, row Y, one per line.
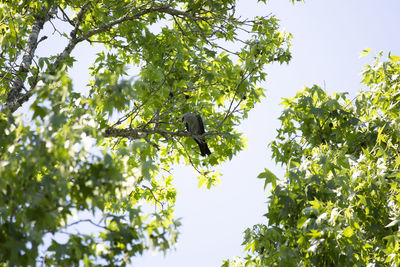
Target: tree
column 339, row 203
column 106, row 149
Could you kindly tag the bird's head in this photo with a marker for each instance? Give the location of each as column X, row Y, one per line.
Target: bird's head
column 186, row 116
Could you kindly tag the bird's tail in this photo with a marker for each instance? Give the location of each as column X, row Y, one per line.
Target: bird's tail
column 204, row 150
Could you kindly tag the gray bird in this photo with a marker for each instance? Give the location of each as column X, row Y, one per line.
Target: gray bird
column 194, row 125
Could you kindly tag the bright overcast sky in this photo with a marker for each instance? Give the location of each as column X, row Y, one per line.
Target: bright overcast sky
column 328, row 36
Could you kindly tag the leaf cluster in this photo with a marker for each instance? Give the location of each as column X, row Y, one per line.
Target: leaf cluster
column 339, row 202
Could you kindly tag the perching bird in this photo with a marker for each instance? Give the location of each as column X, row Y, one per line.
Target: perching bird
column 194, row 125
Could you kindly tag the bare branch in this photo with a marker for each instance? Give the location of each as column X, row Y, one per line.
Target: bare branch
column 190, row 159
column 142, row 133
column 66, row 17
column 230, row 111
column 155, row 198
column 74, row 41
column 89, row 221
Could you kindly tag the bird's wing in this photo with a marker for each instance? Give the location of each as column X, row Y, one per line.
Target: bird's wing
column 187, row 126
column 201, row 125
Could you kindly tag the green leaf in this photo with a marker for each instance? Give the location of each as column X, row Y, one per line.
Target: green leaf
column 395, row 59
column 365, row 52
column 393, row 223
column 202, row 181
column 301, row 221
column 39, row 111
column 269, row 178
column 348, row 232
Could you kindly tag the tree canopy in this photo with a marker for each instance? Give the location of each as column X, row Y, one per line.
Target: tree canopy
column 339, row 202
column 109, row 148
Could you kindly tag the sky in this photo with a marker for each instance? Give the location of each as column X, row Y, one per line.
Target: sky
column 328, row 37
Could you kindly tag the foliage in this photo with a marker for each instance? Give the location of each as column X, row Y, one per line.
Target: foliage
column 107, row 150
column 339, row 204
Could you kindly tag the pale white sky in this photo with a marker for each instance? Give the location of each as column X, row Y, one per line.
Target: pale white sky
column 328, row 36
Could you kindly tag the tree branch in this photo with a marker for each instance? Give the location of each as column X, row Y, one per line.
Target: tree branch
column 142, row 133
column 15, row 98
column 155, row 198
column 89, row 221
column 74, row 40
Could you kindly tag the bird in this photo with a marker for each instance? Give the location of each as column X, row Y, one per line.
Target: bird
column 194, row 125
